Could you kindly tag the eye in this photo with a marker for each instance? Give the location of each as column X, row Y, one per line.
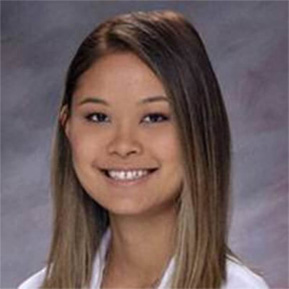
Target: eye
column 96, row 117
column 155, row 118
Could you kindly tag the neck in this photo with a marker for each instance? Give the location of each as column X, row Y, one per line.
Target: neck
column 141, row 246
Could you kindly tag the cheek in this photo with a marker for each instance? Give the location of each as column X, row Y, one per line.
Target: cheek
column 167, row 145
column 85, row 146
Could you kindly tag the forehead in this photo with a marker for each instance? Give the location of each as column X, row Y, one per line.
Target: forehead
column 120, row 75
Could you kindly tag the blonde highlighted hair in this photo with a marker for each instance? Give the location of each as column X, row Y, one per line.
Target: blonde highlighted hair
column 174, row 51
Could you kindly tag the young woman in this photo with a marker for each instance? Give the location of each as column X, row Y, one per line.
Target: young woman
column 141, row 164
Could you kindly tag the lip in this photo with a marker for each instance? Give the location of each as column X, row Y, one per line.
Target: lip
column 128, row 183
column 126, row 169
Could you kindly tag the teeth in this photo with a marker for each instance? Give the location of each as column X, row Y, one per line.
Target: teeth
column 127, row 175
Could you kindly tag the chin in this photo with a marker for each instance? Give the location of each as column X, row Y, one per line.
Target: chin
column 126, row 209
column 139, row 209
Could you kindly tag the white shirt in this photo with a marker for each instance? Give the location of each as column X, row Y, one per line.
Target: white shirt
column 238, row 275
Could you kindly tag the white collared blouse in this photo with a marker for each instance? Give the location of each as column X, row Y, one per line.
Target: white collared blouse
column 238, row 275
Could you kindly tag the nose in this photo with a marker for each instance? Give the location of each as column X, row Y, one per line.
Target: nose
column 124, row 143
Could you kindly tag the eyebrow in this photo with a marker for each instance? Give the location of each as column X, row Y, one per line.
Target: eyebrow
column 142, row 101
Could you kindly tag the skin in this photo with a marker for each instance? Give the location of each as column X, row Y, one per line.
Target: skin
column 125, row 134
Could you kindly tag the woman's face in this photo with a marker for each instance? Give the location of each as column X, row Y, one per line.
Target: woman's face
column 123, row 137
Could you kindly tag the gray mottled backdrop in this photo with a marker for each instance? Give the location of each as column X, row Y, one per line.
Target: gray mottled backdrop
column 248, row 45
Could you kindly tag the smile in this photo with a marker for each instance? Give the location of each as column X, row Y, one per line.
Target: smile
column 127, row 177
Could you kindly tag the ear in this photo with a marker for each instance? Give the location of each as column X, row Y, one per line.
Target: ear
column 64, row 119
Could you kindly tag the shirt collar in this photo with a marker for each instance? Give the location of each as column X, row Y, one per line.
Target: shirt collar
column 99, row 264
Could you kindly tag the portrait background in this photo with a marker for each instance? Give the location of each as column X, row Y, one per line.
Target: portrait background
column 247, row 43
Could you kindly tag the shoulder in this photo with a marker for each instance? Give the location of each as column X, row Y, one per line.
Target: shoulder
column 33, row 282
column 241, row 277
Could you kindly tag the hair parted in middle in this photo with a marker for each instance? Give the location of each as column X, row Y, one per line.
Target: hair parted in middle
column 174, row 51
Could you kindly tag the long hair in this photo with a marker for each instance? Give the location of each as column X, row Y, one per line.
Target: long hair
column 174, row 51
